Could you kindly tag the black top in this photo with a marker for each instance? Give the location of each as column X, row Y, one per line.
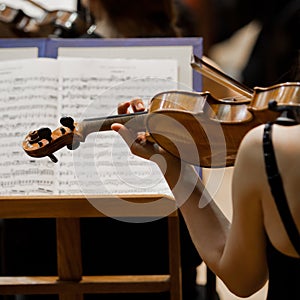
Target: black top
column 284, row 271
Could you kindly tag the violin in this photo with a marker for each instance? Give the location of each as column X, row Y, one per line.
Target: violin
column 55, row 23
column 12, row 18
column 194, row 126
column 8, row 14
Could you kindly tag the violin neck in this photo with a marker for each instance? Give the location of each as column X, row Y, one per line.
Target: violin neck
column 134, row 120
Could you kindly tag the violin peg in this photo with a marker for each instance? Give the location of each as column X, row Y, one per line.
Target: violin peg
column 67, row 122
column 73, row 146
column 53, row 158
column 45, row 133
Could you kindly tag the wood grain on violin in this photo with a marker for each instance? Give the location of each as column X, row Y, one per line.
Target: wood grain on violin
column 196, row 127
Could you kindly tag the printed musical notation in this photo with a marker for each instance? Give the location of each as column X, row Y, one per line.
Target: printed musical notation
column 28, row 97
column 37, row 92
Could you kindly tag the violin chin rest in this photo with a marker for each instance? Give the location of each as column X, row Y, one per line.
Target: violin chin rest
column 285, row 121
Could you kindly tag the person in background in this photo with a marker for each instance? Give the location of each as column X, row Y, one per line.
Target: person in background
column 128, row 19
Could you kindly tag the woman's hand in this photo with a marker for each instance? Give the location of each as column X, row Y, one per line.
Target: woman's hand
column 180, row 176
column 137, row 141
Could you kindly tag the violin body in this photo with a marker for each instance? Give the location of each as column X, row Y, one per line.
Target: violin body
column 195, row 127
column 206, row 131
column 201, row 130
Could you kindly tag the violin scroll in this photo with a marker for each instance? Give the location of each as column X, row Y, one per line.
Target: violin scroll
column 43, row 142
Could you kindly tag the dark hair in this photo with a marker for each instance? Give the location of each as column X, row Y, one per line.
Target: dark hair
column 143, row 18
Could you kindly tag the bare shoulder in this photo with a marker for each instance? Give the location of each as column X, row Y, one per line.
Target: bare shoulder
column 250, row 165
column 284, row 138
column 249, row 175
column 287, row 148
column 251, row 145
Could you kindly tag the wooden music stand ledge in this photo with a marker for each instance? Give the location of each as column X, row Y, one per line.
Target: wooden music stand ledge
column 69, row 283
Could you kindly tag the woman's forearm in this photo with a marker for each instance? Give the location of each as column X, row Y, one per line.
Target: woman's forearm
column 207, row 224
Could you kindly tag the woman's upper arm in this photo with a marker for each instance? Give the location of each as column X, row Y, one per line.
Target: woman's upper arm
column 244, row 255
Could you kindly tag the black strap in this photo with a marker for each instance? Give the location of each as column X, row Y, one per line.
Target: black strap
column 277, row 190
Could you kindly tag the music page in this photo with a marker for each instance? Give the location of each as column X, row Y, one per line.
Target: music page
column 28, row 101
column 35, row 93
column 92, row 88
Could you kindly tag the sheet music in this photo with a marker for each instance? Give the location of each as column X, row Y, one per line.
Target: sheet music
column 18, row 53
column 93, row 88
column 28, row 99
column 36, row 92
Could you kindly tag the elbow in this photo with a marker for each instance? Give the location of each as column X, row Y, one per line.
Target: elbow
column 239, row 291
column 243, row 281
column 242, row 293
column 244, row 289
